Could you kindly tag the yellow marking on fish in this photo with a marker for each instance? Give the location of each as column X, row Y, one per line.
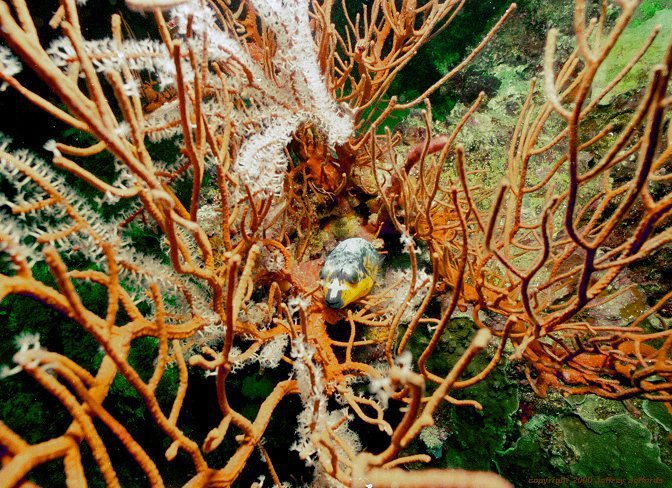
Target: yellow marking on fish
column 349, row 272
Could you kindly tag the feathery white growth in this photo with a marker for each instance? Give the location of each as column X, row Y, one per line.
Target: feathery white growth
column 25, row 357
column 124, row 179
column 290, row 22
column 261, row 162
column 12, row 245
column 137, row 271
column 346, row 434
column 123, row 129
column 312, row 420
column 316, row 419
column 298, row 303
column 107, row 198
column 50, row 146
column 236, row 362
column 164, row 122
column 131, row 88
column 297, row 93
column 408, row 242
column 9, row 64
column 27, row 341
column 107, row 56
column 209, row 217
column 382, row 387
column 405, row 360
column 403, row 277
column 271, row 353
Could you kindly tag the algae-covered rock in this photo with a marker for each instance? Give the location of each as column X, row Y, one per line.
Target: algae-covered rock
column 539, row 453
column 591, row 407
column 433, row 437
column 618, row 447
column 659, row 413
column 650, row 15
column 575, row 451
column 470, row 437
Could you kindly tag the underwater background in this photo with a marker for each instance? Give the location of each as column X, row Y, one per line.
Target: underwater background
column 574, row 441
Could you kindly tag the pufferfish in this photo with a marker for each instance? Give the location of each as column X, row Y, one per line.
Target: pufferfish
column 349, row 272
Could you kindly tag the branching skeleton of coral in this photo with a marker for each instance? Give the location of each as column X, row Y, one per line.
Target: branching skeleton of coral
column 540, row 272
column 251, row 81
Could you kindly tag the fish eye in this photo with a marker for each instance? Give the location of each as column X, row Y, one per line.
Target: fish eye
column 351, row 276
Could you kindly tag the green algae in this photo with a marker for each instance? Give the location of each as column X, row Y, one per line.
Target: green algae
column 598, row 443
column 476, row 436
column 658, row 413
column 575, row 441
column 650, row 14
column 552, row 439
column 541, row 446
column 345, row 227
column 591, row 408
column 471, row 438
column 618, row 447
column 433, row 437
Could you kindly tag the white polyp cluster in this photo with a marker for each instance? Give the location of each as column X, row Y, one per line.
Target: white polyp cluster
column 313, row 418
column 271, row 353
column 107, row 56
column 408, row 243
column 316, row 418
column 298, row 303
column 400, row 295
column 382, row 387
column 290, row 22
column 50, row 146
column 11, row 244
column 261, row 162
column 276, row 107
column 296, row 94
column 268, row 357
column 9, row 64
column 209, row 218
column 34, row 181
column 25, row 357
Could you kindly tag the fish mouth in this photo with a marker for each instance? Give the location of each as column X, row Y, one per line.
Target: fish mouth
column 333, row 295
column 334, row 302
